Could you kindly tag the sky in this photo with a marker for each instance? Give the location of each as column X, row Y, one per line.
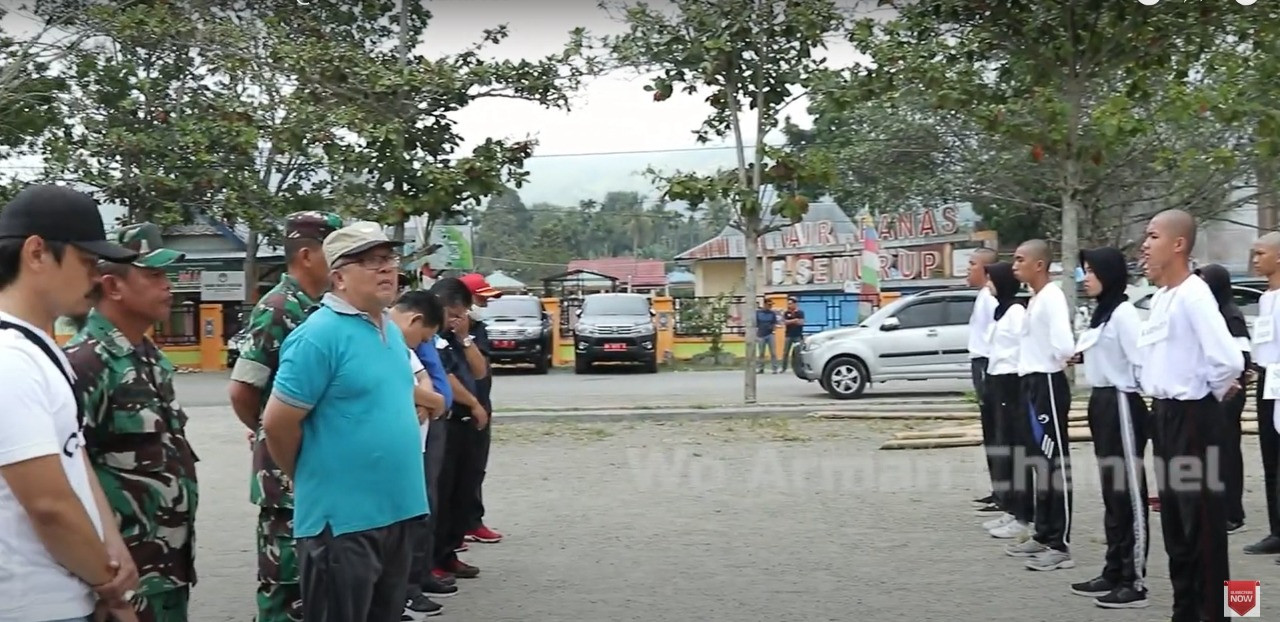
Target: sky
column 614, row 129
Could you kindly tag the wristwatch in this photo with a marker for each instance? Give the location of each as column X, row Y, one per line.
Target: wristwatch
column 468, row 341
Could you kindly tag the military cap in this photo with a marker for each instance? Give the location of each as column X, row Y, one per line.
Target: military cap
column 144, row 239
column 311, row 225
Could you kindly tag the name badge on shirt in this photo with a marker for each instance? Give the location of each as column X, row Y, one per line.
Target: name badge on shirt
column 1271, row 383
column 1153, row 332
column 1088, row 339
column 1264, row 330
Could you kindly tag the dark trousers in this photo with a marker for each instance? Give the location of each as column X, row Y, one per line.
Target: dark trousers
column 456, row 489
column 480, row 464
column 1269, row 442
column 424, row 542
column 1047, row 398
column 1012, row 430
column 1120, row 442
column 1192, row 509
column 1231, row 459
column 986, row 412
column 356, row 576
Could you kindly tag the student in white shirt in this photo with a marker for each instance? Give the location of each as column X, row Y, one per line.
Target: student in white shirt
column 1266, row 358
column 979, row 322
column 1118, row 424
column 1190, row 363
column 62, row 554
column 1231, row 459
column 1004, row 339
column 1047, row 345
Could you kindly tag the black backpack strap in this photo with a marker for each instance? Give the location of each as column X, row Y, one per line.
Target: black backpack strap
column 40, row 342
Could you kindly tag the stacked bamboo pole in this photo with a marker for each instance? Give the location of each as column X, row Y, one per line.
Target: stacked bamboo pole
column 969, row 433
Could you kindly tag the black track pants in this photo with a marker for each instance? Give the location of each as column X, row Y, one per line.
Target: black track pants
column 1120, row 442
column 1047, row 402
column 1269, row 443
column 1010, row 429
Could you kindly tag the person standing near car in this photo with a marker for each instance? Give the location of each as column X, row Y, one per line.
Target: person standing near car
column 1003, row 339
column 64, row 555
column 280, row 311
column 1266, row 359
column 1048, row 344
column 981, row 322
column 793, row 319
column 1118, row 422
column 1231, row 458
column 134, row 427
column 481, row 293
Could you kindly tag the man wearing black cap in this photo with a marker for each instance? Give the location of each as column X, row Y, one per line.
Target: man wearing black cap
column 56, row 528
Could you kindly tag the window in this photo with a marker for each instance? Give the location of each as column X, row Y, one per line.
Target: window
column 1247, row 299
column 923, row 314
column 959, row 310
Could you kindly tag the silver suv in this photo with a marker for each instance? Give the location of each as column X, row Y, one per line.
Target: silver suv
column 919, row 337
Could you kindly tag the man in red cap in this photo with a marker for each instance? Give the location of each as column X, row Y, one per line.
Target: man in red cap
column 481, row 292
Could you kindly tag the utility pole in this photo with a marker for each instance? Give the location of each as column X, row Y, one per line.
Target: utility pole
column 398, row 232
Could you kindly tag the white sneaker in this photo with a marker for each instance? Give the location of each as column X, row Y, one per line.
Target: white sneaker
column 1000, row 521
column 1010, row 531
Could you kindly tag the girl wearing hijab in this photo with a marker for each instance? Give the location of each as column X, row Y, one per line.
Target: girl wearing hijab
column 1108, row 351
column 1004, row 339
column 1231, row 459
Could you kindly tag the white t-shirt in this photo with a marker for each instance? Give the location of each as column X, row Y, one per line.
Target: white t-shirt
column 416, row 365
column 38, row 418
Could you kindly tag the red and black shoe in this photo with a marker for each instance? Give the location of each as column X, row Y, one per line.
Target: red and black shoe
column 463, row 570
column 484, row 534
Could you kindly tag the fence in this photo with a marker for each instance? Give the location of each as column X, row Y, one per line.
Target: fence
column 701, row 315
column 181, row 329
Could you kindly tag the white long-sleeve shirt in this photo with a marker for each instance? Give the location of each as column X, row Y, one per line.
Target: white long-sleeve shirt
column 1112, row 360
column 1185, row 349
column 984, row 310
column 1004, row 340
column 1048, row 342
column 1266, row 347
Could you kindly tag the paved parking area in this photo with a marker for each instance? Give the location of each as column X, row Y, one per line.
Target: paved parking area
column 720, row 521
column 521, row 390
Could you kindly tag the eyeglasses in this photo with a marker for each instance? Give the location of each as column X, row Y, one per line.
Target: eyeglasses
column 372, row 262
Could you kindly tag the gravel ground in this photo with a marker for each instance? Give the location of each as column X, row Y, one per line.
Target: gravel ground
column 733, row 521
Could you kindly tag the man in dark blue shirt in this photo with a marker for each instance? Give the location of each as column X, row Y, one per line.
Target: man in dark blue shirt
column 766, row 322
column 467, row 365
column 481, row 293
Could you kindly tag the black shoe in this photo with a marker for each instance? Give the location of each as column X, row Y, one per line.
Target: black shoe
column 987, row 500
column 1123, row 597
column 436, row 588
column 423, row 606
column 1093, row 587
column 1235, row 527
column 1269, row 545
column 989, row 508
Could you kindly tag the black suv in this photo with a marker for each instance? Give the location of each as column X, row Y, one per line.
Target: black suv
column 615, row 328
column 519, row 332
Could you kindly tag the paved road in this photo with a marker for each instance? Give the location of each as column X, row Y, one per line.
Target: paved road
column 517, row 390
column 726, row 521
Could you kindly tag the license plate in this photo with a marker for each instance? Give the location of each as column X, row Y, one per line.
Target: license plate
column 504, row 344
column 615, row 346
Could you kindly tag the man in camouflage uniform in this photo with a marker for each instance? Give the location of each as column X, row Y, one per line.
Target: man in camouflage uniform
column 134, row 428
column 274, row 317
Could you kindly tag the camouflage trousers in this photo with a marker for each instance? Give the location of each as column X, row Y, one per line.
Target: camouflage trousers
column 279, row 593
column 166, row 606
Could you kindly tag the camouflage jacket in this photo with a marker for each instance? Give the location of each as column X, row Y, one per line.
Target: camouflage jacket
column 272, row 319
column 135, row 434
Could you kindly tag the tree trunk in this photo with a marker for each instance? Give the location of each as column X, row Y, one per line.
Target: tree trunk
column 1268, row 205
column 1070, row 234
column 750, row 236
column 251, row 267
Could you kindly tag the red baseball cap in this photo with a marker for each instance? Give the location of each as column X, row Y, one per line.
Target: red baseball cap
column 479, row 286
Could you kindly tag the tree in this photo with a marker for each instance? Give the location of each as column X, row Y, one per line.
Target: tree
column 29, row 85
column 405, row 153
column 750, row 58
column 1079, row 84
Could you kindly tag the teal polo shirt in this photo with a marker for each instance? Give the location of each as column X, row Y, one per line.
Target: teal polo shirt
column 360, row 463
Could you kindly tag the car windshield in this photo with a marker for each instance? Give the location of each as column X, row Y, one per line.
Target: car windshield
column 885, row 311
column 515, row 307
column 615, row 305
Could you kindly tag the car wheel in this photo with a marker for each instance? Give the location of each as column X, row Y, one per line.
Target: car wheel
column 651, row 366
column 581, row 366
column 541, row 365
column 845, row 378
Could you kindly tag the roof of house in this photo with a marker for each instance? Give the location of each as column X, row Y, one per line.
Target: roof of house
column 628, row 270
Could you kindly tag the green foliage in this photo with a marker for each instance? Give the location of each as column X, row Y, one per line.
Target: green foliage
column 706, row 317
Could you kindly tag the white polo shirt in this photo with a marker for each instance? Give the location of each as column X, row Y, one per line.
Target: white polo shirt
column 415, row 365
column 38, row 418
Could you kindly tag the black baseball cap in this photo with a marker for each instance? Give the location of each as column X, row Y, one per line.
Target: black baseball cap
column 60, row 214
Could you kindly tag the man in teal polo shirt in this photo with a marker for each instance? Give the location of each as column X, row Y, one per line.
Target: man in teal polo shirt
column 341, row 423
